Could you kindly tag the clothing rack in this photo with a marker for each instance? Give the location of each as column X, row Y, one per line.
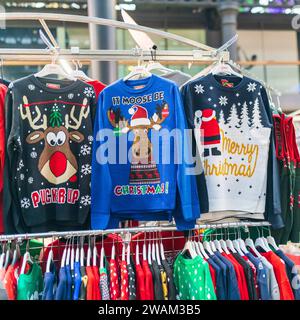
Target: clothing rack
column 160, row 228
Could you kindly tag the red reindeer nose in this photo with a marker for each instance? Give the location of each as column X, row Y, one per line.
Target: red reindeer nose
column 58, row 163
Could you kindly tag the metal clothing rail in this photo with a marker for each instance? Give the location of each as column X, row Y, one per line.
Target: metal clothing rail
column 128, row 230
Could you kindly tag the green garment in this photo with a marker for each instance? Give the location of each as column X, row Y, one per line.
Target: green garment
column 193, row 279
column 30, row 284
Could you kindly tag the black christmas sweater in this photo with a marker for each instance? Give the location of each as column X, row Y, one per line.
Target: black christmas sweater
column 49, row 136
column 232, row 124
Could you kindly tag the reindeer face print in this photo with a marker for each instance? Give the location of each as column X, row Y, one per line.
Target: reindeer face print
column 57, row 163
column 143, row 169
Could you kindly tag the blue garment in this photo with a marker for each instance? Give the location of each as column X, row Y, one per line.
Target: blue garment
column 233, row 292
column 223, row 269
column 292, row 273
column 61, row 291
column 221, row 291
column 69, row 282
column 261, row 276
column 48, row 293
column 77, row 281
column 130, row 110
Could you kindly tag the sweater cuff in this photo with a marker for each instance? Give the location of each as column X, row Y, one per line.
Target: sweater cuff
column 191, row 212
column 99, row 220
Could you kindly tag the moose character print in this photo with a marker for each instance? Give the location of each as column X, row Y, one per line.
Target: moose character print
column 206, row 121
column 56, row 163
column 143, row 170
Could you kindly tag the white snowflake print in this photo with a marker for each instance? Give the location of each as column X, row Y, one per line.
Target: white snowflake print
column 85, row 200
column 85, row 149
column 89, row 92
column 25, row 203
column 33, row 155
column 71, row 95
column 19, row 141
column 90, row 138
column 223, row 101
column 30, row 180
column 199, row 88
column 251, row 87
column 55, row 108
column 22, row 176
column 211, row 88
column 21, row 165
column 31, row 87
column 86, row 169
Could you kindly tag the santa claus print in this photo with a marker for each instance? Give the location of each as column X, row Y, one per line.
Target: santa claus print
column 206, row 121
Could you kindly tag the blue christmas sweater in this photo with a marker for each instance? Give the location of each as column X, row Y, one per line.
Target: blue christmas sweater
column 232, row 124
column 139, row 172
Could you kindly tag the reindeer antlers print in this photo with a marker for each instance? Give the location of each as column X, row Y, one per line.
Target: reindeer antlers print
column 84, row 112
column 27, row 115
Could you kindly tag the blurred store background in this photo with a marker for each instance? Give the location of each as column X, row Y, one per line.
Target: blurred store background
column 268, row 43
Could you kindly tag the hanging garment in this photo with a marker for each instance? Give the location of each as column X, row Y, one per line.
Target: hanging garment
column 124, row 281
column 249, row 276
column 77, row 280
column 49, row 291
column 3, row 90
column 272, row 282
column 192, row 279
column 170, row 280
column 132, row 282
column 97, row 283
column 241, row 279
column 254, row 275
column 84, row 283
column 262, row 277
column 104, row 288
column 48, row 158
column 3, row 293
column 164, row 283
column 61, row 291
column 285, row 289
column 114, row 280
column 30, row 284
column 140, row 107
column 220, row 290
column 10, row 280
column 292, row 274
column 177, row 76
column 69, row 282
column 90, row 290
column 140, row 283
column 157, row 285
column 231, row 282
column 149, row 290
column 238, row 115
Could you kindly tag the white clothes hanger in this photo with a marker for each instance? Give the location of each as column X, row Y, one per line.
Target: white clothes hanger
column 242, row 245
column 213, row 247
column 218, row 246
column 137, row 254
column 230, row 246
column 78, row 73
column 102, row 255
column 272, row 242
column 207, row 247
column 49, row 260
column 128, row 254
column 82, row 252
column 162, row 251
column 259, row 242
column 123, row 252
column 149, row 254
column 157, row 254
column 197, row 249
column 72, row 255
column 224, row 246
column 236, row 245
column 68, row 255
column 64, row 256
column 153, row 251
column 95, row 255
column 26, row 258
column 89, row 254
column 249, row 243
column 202, row 250
column 139, row 72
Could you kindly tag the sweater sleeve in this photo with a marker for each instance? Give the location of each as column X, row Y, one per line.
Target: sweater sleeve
column 187, row 195
column 200, row 177
column 101, row 184
column 3, row 90
column 273, row 204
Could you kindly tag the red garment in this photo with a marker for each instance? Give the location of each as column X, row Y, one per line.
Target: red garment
column 210, row 127
column 114, row 280
column 149, row 290
column 286, row 292
column 90, row 290
column 98, row 86
column 11, row 280
column 3, row 90
column 97, row 293
column 124, row 281
column 241, row 279
column 294, row 258
column 140, row 283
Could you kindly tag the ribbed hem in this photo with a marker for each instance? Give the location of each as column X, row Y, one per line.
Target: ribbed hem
column 99, row 220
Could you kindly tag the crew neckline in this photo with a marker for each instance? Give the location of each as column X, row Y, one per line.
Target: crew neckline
column 146, row 82
column 217, row 83
column 43, row 86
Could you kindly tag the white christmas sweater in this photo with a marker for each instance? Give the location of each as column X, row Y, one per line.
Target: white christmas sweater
column 232, row 125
